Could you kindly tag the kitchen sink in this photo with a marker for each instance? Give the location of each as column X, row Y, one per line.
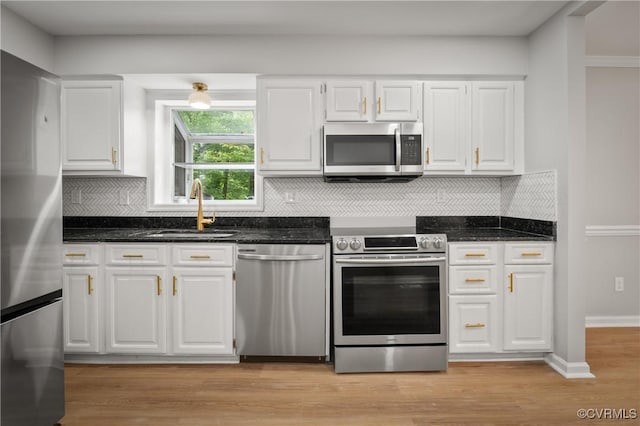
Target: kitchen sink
column 187, row 233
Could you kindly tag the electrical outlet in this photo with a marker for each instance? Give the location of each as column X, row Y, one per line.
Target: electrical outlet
column 290, row 197
column 76, row 196
column 124, row 197
column 619, row 283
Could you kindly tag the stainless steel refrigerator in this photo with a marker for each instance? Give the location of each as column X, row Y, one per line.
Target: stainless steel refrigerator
column 32, row 373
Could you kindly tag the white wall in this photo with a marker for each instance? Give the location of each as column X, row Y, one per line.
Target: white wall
column 22, row 39
column 554, row 139
column 613, row 157
column 311, row 55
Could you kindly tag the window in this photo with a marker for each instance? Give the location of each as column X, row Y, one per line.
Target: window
column 217, row 147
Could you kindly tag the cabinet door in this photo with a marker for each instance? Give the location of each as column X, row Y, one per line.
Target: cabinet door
column 446, row 118
column 528, row 307
column 135, row 310
column 289, row 125
column 202, row 311
column 348, row 100
column 81, row 287
column 493, row 135
column 474, row 324
column 397, row 100
column 91, row 125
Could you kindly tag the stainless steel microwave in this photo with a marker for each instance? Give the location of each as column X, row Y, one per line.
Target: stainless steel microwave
column 372, row 151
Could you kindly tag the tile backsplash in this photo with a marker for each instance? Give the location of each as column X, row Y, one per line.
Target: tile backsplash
column 531, row 196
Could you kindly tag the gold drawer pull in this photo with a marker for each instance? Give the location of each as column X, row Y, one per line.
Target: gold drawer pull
column 200, row 256
column 379, row 104
column 477, row 156
column 364, row 104
column 531, row 253
column 428, row 155
column 261, row 155
column 175, row 287
column 113, row 156
column 476, row 325
column 75, row 254
column 89, row 288
column 474, row 280
column 159, row 284
column 511, row 282
column 133, row 255
column 474, row 255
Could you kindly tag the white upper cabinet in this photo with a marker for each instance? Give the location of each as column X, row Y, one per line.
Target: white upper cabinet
column 348, row 100
column 493, row 126
column 103, row 128
column 474, row 127
column 397, row 100
column 446, row 113
column 289, row 123
column 364, row 100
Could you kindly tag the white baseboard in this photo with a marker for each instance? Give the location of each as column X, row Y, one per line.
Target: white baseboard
column 569, row 370
column 613, row 321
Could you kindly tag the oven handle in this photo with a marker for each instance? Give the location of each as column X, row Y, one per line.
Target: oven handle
column 398, row 149
column 390, row 261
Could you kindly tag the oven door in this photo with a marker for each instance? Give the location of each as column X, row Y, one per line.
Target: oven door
column 390, row 299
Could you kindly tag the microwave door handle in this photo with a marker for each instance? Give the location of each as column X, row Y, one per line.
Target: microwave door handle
column 398, row 147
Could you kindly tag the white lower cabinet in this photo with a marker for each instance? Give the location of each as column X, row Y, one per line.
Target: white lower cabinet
column 202, row 311
column 148, row 299
column 135, row 310
column 81, row 289
column 500, row 297
column 82, row 292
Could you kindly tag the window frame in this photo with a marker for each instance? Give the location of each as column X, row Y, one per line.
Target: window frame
column 161, row 170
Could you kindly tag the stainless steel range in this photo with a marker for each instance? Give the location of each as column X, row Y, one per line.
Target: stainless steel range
column 389, row 295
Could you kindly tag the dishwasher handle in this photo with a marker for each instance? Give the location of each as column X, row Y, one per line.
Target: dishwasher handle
column 275, row 257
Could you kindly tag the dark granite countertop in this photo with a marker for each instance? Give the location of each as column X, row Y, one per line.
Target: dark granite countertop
column 283, row 230
column 487, row 228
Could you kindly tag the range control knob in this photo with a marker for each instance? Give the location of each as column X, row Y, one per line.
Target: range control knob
column 424, row 242
column 342, row 244
column 437, row 242
column 355, row 244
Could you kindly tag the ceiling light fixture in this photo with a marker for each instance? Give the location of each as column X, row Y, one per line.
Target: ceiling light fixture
column 200, row 99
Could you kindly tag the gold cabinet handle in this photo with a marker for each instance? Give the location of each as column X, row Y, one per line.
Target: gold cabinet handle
column 200, row 256
column 113, row 156
column 89, row 287
column 474, row 255
column 379, row 104
column 133, row 255
column 75, row 254
column 175, row 287
column 261, row 155
column 531, row 254
column 474, row 280
column 364, row 105
column 159, row 284
column 428, row 155
column 476, row 325
column 477, row 156
column 511, row 282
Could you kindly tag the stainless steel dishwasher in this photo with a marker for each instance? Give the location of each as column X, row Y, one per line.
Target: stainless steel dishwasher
column 281, row 303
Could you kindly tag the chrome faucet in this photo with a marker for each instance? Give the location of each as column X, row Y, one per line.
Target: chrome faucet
column 196, row 191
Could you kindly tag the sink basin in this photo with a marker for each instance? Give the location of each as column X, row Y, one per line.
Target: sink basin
column 188, row 233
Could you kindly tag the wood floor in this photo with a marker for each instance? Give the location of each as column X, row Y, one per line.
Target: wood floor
column 312, row 394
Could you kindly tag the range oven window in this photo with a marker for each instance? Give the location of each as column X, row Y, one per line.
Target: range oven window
column 360, row 150
column 390, row 300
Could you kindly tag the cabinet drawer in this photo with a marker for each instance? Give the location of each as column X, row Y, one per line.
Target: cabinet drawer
column 528, row 253
column 473, row 279
column 473, row 254
column 202, row 255
column 474, row 324
column 80, row 254
column 135, row 254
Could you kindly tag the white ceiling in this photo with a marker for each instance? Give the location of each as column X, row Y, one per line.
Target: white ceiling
column 268, row 17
